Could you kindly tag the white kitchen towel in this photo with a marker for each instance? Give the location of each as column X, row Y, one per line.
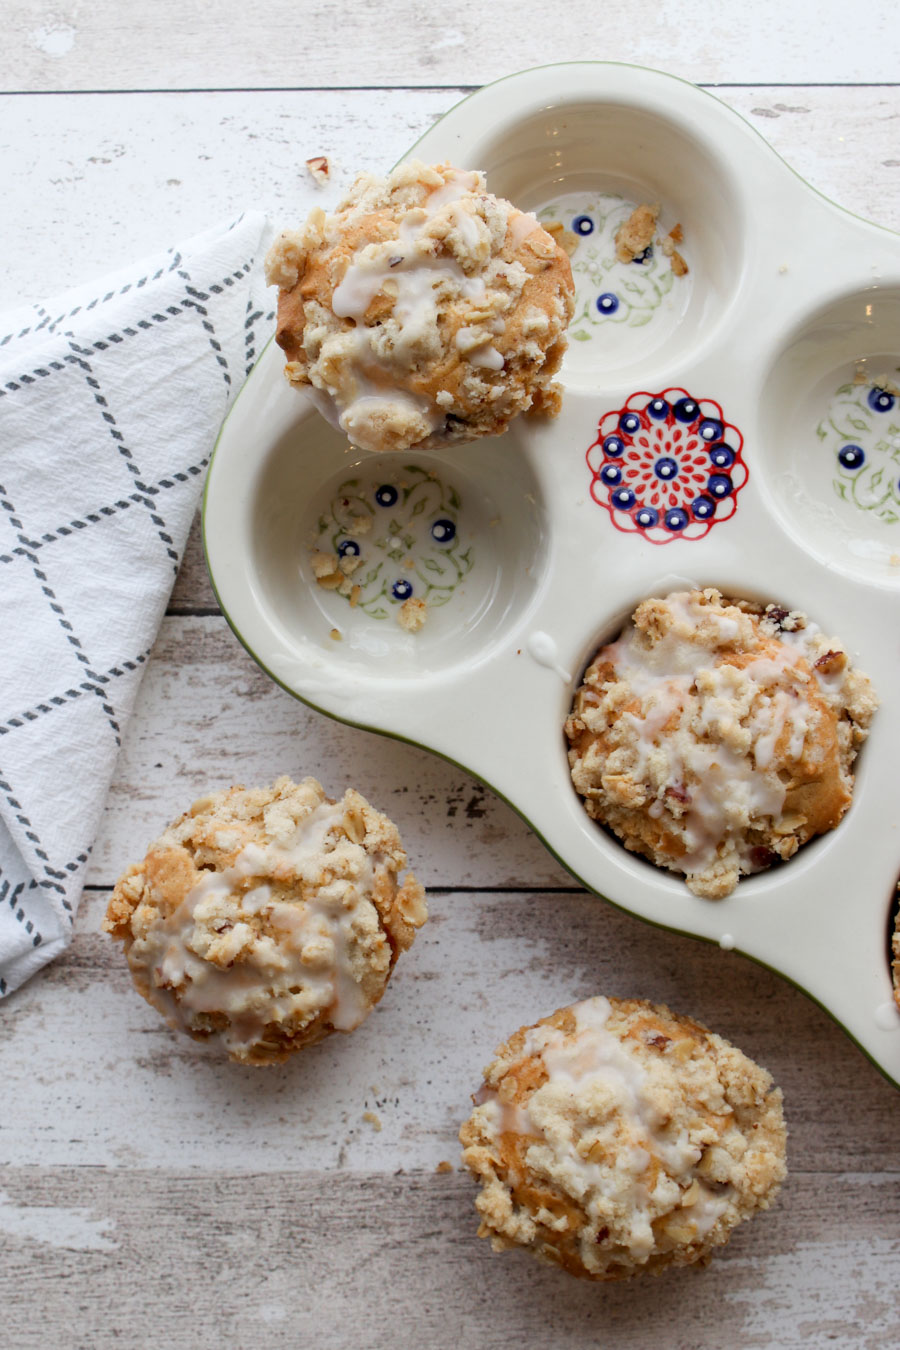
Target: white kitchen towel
column 111, row 397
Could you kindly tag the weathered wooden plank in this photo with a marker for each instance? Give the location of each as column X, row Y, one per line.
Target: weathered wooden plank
column 63, row 44
column 94, row 1078
column 207, row 717
column 826, row 134
column 193, row 593
column 108, row 178
column 95, row 1258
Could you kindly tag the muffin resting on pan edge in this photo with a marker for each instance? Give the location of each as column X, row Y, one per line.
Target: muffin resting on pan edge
column 424, row 312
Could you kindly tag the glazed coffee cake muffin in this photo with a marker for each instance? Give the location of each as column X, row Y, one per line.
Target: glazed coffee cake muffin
column 715, row 737
column 424, row 312
column 616, row 1137
column 264, row 919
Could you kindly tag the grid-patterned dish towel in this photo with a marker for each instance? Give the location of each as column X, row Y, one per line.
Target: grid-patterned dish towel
column 111, row 397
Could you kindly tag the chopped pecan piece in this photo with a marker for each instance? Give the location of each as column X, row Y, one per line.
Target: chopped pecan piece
column 319, row 169
column 832, row 663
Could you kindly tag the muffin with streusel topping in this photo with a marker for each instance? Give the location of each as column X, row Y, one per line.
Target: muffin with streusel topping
column 616, row 1137
column 424, row 312
column 715, row 736
column 264, row 919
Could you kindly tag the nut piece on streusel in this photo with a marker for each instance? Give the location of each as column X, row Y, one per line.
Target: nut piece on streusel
column 616, row 1137
column 715, row 736
column 267, row 918
column 424, row 312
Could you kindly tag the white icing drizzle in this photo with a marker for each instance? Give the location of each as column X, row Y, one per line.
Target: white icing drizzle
column 595, row 1051
column 543, row 649
column 309, row 957
column 707, row 1208
column 727, row 772
column 487, row 357
column 411, row 273
column 521, row 225
column 887, row 1016
column 594, row 1058
column 455, row 187
column 505, row 1117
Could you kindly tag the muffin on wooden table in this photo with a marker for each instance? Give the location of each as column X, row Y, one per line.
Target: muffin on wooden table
column 264, row 919
column 616, row 1137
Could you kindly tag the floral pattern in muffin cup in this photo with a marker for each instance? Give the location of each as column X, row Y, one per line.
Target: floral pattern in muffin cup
column 405, row 531
column 607, row 290
column 667, row 466
column 861, row 427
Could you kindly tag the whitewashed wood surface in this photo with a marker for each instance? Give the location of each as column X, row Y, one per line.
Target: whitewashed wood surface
column 190, row 44
column 150, row 1195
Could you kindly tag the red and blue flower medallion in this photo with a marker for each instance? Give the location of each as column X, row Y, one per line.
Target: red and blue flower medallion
column 667, row 466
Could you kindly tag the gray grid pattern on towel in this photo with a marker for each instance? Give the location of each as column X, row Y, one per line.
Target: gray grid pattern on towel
column 109, row 407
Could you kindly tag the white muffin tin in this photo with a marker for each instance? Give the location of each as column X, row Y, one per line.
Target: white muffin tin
column 787, row 302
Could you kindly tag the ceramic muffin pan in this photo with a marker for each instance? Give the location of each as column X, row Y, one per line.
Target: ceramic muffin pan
column 774, row 359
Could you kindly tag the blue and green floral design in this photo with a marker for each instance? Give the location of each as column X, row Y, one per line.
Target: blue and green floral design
column 861, row 428
column 405, row 529
column 606, row 290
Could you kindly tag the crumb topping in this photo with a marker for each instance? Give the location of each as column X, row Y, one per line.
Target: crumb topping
column 268, row 918
column 617, row 1137
column 412, row 290
column 412, row 614
column 716, row 737
column 636, row 233
column 567, row 239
